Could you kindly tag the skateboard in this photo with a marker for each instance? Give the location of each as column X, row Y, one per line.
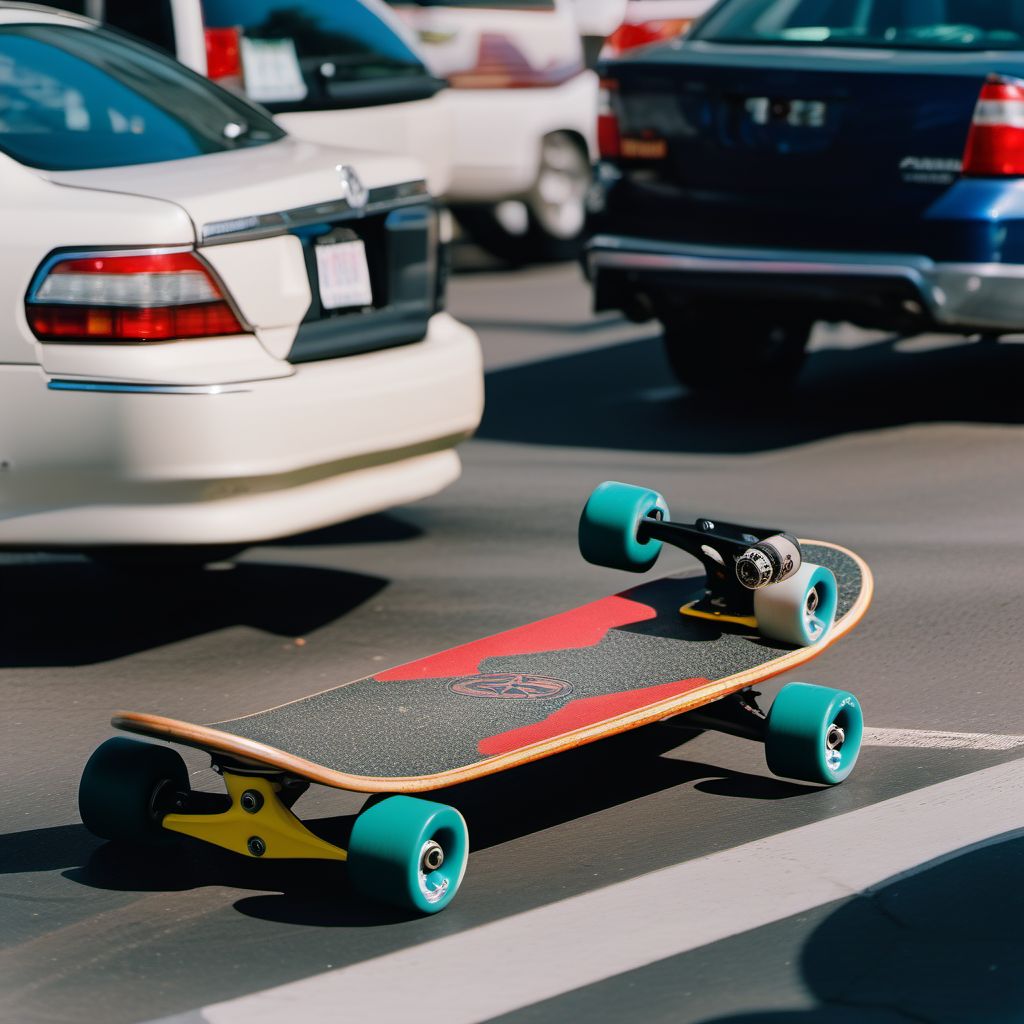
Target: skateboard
column 686, row 647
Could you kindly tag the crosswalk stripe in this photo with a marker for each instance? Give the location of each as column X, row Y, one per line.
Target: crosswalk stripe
column 937, row 739
column 511, row 963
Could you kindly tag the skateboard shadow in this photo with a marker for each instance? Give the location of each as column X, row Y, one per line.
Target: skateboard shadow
column 316, row 892
column 581, row 782
column 542, row 795
column 942, row 944
column 498, row 809
column 105, row 614
column 623, row 397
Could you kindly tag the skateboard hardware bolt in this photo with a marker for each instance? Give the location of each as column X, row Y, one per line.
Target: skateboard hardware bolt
column 257, row 847
column 432, row 857
column 835, row 737
column 251, row 801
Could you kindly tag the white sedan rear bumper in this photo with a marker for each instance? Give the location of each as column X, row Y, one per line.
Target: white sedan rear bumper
column 85, row 463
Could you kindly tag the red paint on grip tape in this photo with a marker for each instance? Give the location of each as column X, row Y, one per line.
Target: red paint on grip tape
column 578, row 714
column 581, row 627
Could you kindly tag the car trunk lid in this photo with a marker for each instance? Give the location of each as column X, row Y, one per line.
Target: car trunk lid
column 750, row 135
column 260, row 224
column 219, row 188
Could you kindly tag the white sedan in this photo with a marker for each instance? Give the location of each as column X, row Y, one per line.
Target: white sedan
column 214, row 334
column 525, row 114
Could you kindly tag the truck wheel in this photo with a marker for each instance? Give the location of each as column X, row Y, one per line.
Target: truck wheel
column 747, row 358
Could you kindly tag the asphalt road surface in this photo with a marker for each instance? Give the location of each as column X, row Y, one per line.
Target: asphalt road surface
column 659, row 876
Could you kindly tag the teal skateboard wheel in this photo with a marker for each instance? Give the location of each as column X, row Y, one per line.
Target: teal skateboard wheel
column 813, row 734
column 408, row 852
column 800, row 610
column 609, row 524
column 127, row 787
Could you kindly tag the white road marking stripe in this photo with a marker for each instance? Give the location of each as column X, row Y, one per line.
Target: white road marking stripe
column 940, row 740
column 503, row 966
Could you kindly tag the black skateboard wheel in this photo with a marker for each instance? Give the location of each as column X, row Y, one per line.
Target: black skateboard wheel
column 126, row 789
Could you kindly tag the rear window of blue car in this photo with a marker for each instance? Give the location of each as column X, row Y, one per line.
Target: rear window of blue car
column 75, row 99
column 891, row 24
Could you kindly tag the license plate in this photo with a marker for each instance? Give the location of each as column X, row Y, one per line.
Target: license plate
column 272, row 71
column 343, row 274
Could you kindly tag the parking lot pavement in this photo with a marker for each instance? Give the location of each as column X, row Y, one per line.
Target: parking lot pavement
column 907, row 451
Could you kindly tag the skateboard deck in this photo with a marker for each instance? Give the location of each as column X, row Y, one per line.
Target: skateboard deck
column 612, row 665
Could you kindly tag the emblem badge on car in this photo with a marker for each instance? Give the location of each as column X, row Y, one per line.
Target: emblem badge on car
column 352, row 188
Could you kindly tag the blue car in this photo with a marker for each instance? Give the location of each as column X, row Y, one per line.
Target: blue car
column 798, row 160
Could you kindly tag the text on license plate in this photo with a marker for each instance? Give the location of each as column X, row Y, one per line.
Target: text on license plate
column 343, row 274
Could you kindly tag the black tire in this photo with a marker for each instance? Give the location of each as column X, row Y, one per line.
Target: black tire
column 126, row 789
column 748, row 356
column 553, row 229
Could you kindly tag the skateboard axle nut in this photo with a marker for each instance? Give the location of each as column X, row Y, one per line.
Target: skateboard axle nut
column 433, row 856
column 256, row 846
column 835, row 738
column 251, row 801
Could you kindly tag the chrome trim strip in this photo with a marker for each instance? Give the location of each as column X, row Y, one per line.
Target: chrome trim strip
column 112, row 387
column 268, row 225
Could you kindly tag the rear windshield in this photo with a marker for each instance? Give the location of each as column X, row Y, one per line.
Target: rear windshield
column 312, row 54
column 74, row 99
column 890, row 24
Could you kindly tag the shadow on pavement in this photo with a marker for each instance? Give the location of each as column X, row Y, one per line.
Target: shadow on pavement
column 943, row 944
column 377, row 529
column 77, row 613
column 623, row 397
column 498, row 809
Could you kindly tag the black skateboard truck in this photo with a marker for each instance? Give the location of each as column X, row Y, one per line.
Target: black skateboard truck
column 737, row 559
column 756, row 576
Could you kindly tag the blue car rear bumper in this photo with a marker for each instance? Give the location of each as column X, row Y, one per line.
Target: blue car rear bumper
column 956, row 264
column 955, row 296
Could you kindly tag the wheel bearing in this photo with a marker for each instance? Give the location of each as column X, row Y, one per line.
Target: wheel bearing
column 431, row 857
column 835, row 737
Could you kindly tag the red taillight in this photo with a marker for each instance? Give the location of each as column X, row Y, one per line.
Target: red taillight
column 995, row 143
column 609, row 145
column 631, row 35
column 500, row 64
column 223, row 53
column 127, row 297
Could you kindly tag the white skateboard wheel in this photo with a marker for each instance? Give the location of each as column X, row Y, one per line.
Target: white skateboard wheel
column 799, row 610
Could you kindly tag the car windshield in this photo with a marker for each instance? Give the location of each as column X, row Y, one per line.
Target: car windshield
column 890, row 24
column 76, row 98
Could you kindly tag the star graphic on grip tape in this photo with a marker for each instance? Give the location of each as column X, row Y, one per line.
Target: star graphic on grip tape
column 510, row 685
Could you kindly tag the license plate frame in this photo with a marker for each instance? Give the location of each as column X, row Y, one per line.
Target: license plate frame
column 343, row 275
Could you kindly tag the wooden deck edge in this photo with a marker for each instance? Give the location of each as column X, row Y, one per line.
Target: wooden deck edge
column 215, row 741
